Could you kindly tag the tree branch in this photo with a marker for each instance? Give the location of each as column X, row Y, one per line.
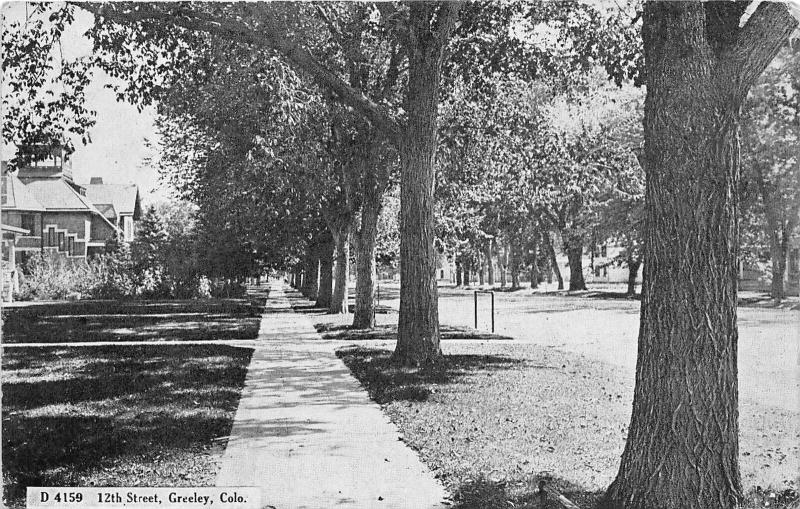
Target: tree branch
column 265, row 34
column 758, row 41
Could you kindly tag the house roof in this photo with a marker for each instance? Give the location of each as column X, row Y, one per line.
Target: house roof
column 57, row 194
column 13, row 229
column 124, row 198
column 107, row 210
column 16, row 195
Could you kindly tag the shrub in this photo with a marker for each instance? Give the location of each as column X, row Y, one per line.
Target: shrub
column 50, row 276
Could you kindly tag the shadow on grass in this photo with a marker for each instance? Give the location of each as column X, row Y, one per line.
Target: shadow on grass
column 486, row 493
column 389, row 333
column 132, row 321
column 69, row 412
column 387, row 382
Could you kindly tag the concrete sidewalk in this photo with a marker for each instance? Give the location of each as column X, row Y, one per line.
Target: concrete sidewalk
column 307, row 433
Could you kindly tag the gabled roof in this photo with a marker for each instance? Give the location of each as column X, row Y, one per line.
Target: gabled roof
column 57, row 194
column 17, row 196
column 124, row 198
column 107, row 210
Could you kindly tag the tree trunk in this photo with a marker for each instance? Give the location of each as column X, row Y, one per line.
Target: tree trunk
column 514, row 264
column 575, row 257
column 778, row 254
column 429, row 26
column 503, row 266
column 480, row 265
column 341, row 241
column 458, row 271
column 311, row 270
column 489, row 263
column 534, row 268
column 682, row 447
column 467, row 265
column 325, row 275
column 553, row 261
column 633, row 272
column 366, row 267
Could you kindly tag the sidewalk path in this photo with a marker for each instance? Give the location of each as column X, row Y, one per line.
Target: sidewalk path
column 307, row 433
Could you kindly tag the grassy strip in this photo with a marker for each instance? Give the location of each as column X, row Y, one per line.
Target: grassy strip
column 132, row 321
column 330, row 330
column 494, row 419
column 117, row 416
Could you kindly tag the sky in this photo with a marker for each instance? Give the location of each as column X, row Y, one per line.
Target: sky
column 118, row 150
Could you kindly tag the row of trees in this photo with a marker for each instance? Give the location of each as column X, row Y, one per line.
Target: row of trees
column 289, row 121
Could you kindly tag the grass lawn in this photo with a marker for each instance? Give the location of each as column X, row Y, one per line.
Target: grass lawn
column 152, row 415
column 92, row 321
column 496, row 418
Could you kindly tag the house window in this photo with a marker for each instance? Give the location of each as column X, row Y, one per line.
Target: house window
column 603, row 251
column 29, row 223
column 61, row 242
column 51, row 237
column 4, row 195
column 71, row 246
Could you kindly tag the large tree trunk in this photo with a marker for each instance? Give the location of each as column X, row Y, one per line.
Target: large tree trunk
column 633, row 272
column 778, row 249
column 429, row 26
column 574, row 249
column 325, row 274
column 366, row 268
column 481, row 265
column 311, row 270
column 503, row 266
column 514, row 264
column 490, row 262
column 467, row 265
column 341, row 271
column 682, row 445
column 459, row 269
column 534, row 266
column 551, row 252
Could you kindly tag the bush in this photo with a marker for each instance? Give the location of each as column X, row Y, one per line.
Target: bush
column 227, row 289
column 50, row 276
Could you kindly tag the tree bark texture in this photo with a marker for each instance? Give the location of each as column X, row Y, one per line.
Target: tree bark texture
column 325, row 292
column 481, row 266
column 418, row 338
column 374, row 184
column 514, row 264
column 534, row 266
column 633, row 272
column 551, row 252
column 458, row 272
column 574, row 249
column 490, row 262
column 311, row 270
column 682, row 445
column 467, row 266
column 341, row 241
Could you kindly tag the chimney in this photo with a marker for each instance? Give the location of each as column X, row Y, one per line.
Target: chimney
column 95, row 180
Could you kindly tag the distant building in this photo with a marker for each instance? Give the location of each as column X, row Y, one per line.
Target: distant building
column 118, row 203
column 62, row 216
